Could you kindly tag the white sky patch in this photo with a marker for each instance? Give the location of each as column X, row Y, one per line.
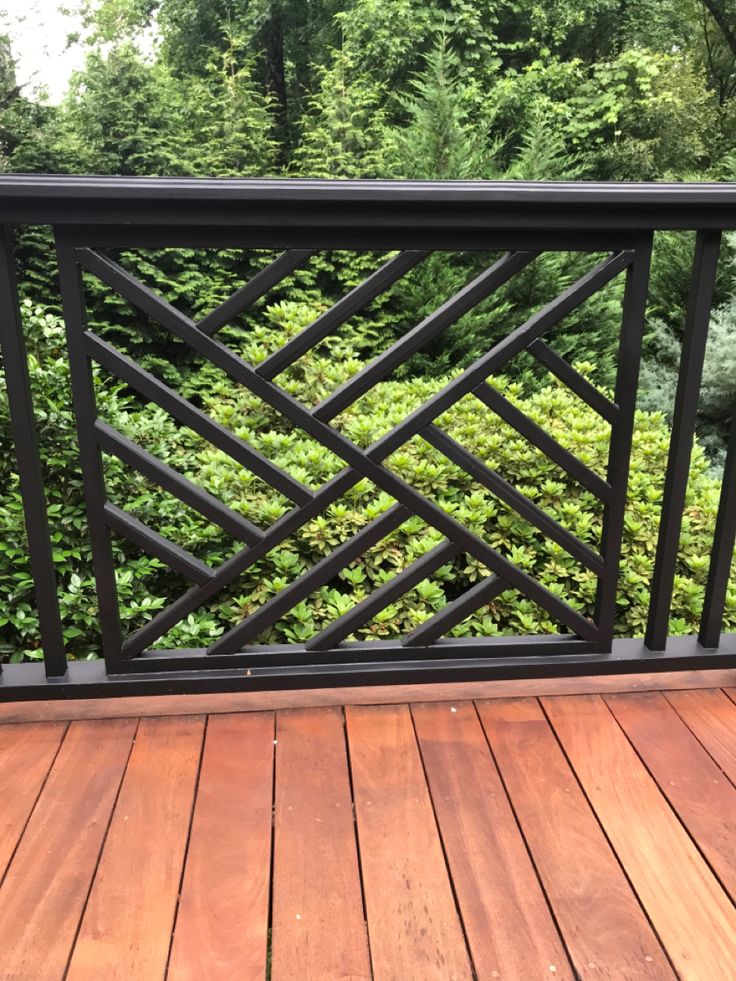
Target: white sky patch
column 38, row 30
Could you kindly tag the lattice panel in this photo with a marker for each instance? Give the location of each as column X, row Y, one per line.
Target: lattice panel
column 317, row 422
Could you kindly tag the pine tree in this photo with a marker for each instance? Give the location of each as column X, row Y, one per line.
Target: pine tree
column 344, row 131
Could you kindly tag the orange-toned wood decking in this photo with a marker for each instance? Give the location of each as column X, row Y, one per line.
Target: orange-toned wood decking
column 554, row 835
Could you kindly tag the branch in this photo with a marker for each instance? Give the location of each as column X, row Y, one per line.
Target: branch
column 720, row 17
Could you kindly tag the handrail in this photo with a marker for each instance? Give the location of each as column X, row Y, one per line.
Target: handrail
column 29, row 199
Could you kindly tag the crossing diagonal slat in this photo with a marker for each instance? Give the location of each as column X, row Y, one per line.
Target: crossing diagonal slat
column 306, row 584
column 340, row 312
column 543, row 441
column 510, row 495
column 263, row 281
column 450, row 311
column 378, row 600
column 189, row 415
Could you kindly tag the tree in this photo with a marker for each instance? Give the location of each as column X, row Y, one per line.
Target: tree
column 344, row 130
column 441, row 139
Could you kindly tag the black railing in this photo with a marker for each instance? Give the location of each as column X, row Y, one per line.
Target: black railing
column 90, row 216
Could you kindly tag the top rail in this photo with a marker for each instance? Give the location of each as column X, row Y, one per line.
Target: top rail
column 349, row 205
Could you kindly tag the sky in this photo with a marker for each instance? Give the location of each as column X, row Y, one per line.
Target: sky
column 38, row 30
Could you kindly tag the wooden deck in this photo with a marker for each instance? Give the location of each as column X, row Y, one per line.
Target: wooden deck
column 560, row 836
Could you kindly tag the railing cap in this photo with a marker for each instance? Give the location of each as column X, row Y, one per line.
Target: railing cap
column 176, row 201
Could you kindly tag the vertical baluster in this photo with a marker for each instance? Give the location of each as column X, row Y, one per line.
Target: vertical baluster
column 627, row 379
column 93, row 478
column 721, row 555
column 705, row 264
column 23, row 428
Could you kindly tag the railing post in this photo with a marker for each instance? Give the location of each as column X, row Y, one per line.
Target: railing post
column 705, row 264
column 25, row 438
column 619, row 461
column 721, row 555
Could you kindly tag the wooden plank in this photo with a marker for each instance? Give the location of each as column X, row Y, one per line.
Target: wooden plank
column 413, row 924
column 689, row 910
column 226, row 702
column 712, row 718
column 44, row 892
column 605, row 929
column 126, row 928
column 695, row 786
column 222, row 922
column 507, row 921
column 318, row 921
column 26, row 755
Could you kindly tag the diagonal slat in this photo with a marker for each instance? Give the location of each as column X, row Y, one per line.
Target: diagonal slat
column 156, row 391
column 457, row 306
column 362, row 462
column 343, row 310
column 455, row 612
column 543, row 441
column 341, row 628
column 509, row 347
column 317, row 576
column 263, row 281
column 495, row 483
column 237, row 564
column 563, row 370
column 176, row 557
column 160, row 473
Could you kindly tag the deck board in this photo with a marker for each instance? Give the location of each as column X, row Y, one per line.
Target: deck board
column 49, row 878
column 126, row 928
column 508, row 923
column 586, row 836
column 317, row 932
column 695, row 786
column 26, row 754
column 689, row 909
column 712, row 719
column 413, row 924
column 222, row 922
column 605, row 929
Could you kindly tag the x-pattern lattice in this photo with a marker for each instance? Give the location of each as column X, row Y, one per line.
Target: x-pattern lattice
column 359, row 463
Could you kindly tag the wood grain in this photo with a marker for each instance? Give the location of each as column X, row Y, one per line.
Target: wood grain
column 605, row 929
column 44, row 892
column 508, row 924
column 222, row 922
column 413, row 924
column 690, row 911
column 318, row 922
column 126, row 928
column 703, row 797
column 163, row 705
column 26, row 755
column 712, row 718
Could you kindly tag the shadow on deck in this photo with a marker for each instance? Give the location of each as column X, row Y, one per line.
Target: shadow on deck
column 561, row 834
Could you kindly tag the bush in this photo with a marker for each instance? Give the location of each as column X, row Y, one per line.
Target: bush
column 145, row 585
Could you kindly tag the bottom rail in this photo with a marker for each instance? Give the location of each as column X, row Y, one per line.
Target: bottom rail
column 88, row 679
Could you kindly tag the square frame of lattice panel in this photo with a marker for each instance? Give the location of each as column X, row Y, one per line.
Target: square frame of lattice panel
column 80, row 249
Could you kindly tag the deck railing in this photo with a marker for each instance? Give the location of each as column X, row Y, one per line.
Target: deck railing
column 92, row 215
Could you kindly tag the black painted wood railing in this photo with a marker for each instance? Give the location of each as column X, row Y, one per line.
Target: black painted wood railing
column 90, row 216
